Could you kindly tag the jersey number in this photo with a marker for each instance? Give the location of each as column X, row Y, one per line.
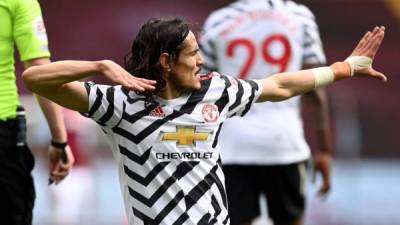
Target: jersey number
column 251, row 48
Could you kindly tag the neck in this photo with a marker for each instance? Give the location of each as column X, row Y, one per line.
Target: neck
column 169, row 92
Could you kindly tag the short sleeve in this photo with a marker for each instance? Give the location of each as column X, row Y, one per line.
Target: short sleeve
column 29, row 31
column 242, row 95
column 106, row 104
column 208, row 52
column 207, row 41
column 313, row 53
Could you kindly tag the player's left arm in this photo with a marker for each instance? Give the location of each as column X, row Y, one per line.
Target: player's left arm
column 282, row 86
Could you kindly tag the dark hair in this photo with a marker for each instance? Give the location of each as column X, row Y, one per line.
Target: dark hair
column 155, row 37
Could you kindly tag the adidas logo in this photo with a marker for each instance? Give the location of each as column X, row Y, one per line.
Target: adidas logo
column 157, row 112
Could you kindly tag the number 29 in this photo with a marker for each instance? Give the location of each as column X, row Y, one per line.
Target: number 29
column 251, row 48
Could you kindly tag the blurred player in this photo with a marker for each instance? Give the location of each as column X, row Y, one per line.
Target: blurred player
column 21, row 24
column 250, row 39
column 164, row 133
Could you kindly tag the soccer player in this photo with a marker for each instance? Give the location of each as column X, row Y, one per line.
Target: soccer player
column 251, row 39
column 21, row 24
column 163, row 122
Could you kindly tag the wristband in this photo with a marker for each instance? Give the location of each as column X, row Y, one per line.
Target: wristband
column 60, row 145
column 359, row 63
column 323, row 76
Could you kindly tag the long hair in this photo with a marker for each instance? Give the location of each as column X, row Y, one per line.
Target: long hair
column 155, row 37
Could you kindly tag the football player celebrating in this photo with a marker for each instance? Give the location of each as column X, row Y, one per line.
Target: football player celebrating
column 162, row 118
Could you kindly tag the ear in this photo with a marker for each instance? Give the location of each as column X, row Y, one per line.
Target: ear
column 164, row 62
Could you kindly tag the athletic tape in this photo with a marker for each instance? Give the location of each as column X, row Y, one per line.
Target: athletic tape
column 359, row 63
column 323, row 76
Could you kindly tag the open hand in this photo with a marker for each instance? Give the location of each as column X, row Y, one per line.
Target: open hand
column 362, row 56
column 119, row 75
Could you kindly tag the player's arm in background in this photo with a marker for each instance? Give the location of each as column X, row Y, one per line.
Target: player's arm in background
column 317, row 100
column 282, row 86
column 31, row 40
column 322, row 156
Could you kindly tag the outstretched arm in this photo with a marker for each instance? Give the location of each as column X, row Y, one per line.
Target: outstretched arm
column 285, row 85
column 58, row 81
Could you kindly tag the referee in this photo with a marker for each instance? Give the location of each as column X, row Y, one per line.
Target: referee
column 21, row 24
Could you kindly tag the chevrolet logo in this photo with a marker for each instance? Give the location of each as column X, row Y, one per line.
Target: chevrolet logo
column 185, row 136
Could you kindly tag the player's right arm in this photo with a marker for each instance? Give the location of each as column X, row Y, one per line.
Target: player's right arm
column 282, row 86
column 58, row 81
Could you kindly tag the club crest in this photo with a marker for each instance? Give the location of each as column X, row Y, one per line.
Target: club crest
column 210, row 113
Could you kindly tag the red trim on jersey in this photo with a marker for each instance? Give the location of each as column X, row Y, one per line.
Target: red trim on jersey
column 207, row 76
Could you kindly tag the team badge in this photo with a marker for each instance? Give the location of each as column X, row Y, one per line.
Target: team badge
column 210, row 113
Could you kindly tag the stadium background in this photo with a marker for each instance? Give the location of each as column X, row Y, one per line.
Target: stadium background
column 365, row 112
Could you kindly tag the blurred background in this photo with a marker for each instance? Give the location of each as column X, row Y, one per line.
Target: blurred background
column 366, row 183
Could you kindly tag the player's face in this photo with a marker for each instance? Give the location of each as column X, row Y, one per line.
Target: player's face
column 184, row 71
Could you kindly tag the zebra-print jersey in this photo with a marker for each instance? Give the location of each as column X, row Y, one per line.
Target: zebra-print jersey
column 167, row 150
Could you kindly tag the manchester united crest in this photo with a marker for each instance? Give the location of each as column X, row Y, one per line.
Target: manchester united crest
column 210, row 113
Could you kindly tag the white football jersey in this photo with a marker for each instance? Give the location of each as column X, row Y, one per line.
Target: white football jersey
column 251, row 39
column 167, row 150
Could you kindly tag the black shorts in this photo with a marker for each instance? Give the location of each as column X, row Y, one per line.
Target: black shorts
column 283, row 186
column 17, row 193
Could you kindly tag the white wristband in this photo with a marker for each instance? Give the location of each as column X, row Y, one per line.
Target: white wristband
column 359, row 63
column 323, row 76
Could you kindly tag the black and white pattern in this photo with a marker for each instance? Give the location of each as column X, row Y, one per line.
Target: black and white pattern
column 167, row 151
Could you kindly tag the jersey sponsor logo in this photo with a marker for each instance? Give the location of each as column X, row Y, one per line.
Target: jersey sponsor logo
column 157, row 112
column 183, row 155
column 185, row 136
column 210, row 113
